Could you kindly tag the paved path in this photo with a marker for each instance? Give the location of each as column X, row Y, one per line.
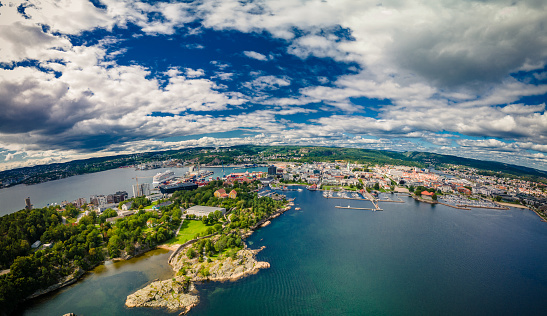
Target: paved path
column 181, row 221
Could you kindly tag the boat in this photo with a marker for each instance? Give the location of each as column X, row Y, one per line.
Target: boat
column 170, row 188
column 299, row 190
column 297, row 209
column 162, row 177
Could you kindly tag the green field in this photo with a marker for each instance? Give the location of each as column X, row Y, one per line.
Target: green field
column 149, row 207
column 187, row 232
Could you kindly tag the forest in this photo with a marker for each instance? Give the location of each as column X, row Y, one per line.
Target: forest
column 68, row 250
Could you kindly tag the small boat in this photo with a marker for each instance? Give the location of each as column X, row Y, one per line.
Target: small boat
column 299, row 190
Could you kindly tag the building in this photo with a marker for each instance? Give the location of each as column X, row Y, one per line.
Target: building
column 142, row 189
column 427, row 194
column 272, row 171
column 160, row 205
column 117, row 197
column 170, row 188
column 126, row 206
column 28, row 205
column 79, row 202
column 266, row 181
column 98, row 200
column 220, row 194
column 199, row 210
column 233, row 194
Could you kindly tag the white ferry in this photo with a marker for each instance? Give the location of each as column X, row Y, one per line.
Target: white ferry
column 162, row 177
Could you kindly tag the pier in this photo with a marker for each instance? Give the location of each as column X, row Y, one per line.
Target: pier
column 359, row 208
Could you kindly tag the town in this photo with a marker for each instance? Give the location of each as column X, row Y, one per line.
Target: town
column 204, row 218
column 452, row 185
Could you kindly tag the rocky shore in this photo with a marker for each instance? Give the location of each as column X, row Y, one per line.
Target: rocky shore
column 174, row 294
column 179, row 293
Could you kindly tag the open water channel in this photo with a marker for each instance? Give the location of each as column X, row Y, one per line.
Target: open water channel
column 410, row 259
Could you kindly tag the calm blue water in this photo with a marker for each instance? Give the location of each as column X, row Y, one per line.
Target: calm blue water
column 410, row 259
column 103, row 291
column 106, row 182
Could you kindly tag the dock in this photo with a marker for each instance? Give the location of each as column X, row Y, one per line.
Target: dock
column 345, row 198
column 359, row 208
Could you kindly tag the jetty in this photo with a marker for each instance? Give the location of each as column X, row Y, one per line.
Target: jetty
column 359, row 208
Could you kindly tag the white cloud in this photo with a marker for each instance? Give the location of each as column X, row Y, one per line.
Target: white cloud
column 438, row 65
column 194, row 73
column 267, row 83
column 255, row 55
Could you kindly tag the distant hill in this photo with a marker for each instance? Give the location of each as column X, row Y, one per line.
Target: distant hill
column 492, row 166
column 207, row 155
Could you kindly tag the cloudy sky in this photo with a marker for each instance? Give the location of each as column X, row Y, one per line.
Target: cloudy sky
column 91, row 78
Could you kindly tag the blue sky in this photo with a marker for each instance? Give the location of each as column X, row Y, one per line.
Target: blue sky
column 82, row 79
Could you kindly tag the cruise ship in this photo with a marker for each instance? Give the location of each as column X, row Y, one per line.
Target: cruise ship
column 170, row 188
column 162, row 177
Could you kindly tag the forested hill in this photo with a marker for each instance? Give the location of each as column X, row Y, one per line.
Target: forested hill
column 260, row 154
column 492, row 166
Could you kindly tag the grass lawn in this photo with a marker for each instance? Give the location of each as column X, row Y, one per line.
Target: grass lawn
column 149, row 207
column 187, row 232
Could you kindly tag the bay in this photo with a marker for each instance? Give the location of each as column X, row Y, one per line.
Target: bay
column 410, row 259
column 103, row 290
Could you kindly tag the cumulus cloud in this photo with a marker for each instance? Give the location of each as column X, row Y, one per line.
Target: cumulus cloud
column 255, row 55
column 194, row 73
column 456, row 68
column 262, row 83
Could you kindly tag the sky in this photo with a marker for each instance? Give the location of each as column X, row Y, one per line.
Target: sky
column 82, row 79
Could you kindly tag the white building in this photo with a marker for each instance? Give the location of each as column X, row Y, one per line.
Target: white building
column 199, row 210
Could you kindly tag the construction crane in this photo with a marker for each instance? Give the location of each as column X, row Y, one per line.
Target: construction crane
column 138, row 188
column 137, row 178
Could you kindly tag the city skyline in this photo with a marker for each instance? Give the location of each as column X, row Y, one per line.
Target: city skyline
column 82, row 79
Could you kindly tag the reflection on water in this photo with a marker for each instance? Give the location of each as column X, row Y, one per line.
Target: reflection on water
column 103, row 290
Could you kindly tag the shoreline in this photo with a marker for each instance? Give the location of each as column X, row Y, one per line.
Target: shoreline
column 180, row 294
column 513, row 205
column 78, row 274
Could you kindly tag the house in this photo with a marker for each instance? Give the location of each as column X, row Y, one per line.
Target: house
column 220, row 193
column 127, row 206
column 233, row 194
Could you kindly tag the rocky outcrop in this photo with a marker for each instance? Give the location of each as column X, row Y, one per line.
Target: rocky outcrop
column 174, row 294
column 226, row 269
column 180, row 294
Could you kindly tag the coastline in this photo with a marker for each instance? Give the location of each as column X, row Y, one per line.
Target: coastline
column 513, row 205
column 79, row 273
column 179, row 293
